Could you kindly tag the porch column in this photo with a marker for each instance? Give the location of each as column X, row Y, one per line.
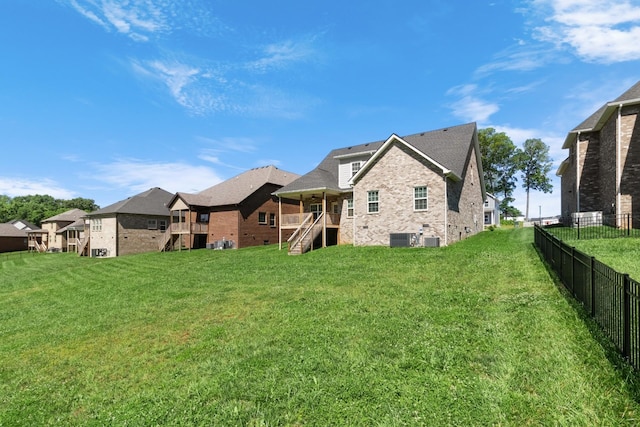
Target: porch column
column 324, row 219
column 279, row 223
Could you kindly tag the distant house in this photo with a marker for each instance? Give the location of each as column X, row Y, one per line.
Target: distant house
column 238, row 212
column 21, row 224
column 421, row 189
column 12, row 238
column 491, row 211
column 602, row 171
column 130, row 226
column 50, row 237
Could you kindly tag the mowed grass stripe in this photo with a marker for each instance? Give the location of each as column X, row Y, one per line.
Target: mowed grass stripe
column 472, row 334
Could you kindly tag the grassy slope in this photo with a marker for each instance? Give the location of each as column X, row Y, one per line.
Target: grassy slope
column 621, row 254
column 472, row 334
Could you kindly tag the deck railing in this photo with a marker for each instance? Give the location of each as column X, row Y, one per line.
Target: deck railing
column 295, row 220
column 186, row 227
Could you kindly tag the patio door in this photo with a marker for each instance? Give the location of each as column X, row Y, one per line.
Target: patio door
column 316, row 208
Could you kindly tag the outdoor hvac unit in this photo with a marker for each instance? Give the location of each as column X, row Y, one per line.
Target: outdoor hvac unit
column 431, row 242
column 223, row 244
column 402, row 240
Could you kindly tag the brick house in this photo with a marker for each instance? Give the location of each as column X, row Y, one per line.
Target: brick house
column 602, row 171
column 130, row 226
column 241, row 212
column 427, row 187
column 12, row 238
column 52, row 235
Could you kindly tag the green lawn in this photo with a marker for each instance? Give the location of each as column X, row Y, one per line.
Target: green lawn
column 622, row 255
column 473, row 334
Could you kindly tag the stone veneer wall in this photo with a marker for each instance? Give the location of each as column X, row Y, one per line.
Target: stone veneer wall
column 466, row 207
column 394, row 175
column 105, row 238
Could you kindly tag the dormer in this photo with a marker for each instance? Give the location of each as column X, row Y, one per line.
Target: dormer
column 350, row 164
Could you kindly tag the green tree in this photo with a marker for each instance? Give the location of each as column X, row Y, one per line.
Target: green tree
column 535, row 164
column 35, row 208
column 499, row 164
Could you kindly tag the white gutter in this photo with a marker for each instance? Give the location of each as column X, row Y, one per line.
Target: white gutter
column 446, row 213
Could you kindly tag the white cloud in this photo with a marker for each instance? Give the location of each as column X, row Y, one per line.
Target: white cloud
column 603, row 31
column 137, row 176
column 471, row 107
column 280, row 55
column 13, row 187
column 225, row 144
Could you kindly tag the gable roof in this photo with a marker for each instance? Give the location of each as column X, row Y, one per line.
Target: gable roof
column 595, row 121
column 151, row 202
column 68, row 216
column 446, row 148
column 234, row 190
column 8, row 230
column 76, row 225
column 21, row 224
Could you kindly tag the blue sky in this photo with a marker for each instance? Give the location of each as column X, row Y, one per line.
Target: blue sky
column 104, row 99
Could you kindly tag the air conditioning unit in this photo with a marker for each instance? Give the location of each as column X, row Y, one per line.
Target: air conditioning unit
column 431, row 242
column 402, row 240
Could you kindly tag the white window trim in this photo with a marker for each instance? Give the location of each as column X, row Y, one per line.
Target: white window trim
column 377, row 201
column 152, row 224
column 350, row 208
column 415, row 199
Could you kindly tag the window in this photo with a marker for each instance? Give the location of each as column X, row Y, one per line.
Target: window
column 163, row 224
column 373, row 201
column 204, row 217
column 355, row 167
column 349, row 207
column 272, row 220
column 96, row 224
column 152, row 224
column 420, row 198
column 262, row 217
column 486, row 203
column 316, row 208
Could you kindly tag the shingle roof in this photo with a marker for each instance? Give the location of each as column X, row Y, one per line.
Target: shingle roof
column 595, row 121
column 234, row 190
column 8, row 230
column 448, row 146
column 70, row 215
column 151, row 202
column 23, row 225
column 76, row 225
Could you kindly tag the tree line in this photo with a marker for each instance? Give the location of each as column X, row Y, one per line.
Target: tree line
column 39, row 207
column 502, row 161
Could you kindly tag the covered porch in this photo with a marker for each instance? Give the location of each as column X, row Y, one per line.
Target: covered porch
column 316, row 225
column 188, row 227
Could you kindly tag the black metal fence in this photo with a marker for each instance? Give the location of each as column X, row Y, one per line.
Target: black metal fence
column 596, row 227
column 612, row 298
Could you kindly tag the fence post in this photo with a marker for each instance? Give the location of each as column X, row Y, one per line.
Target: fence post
column 626, row 345
column 628, row 225
column 573, row 269
column 593, row 286
column 578, row 228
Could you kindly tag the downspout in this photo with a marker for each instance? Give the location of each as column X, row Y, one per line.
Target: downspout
column 279, row 223
column 446, row 213
column 578, row 173
column 618, row 159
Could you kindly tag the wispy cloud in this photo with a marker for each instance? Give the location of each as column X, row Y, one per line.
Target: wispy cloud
column 470, row 106
column 521, row 56
column 225, row 144
column 602, row 31
column 277, row 56
column 134, row 176
column 13, row 187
